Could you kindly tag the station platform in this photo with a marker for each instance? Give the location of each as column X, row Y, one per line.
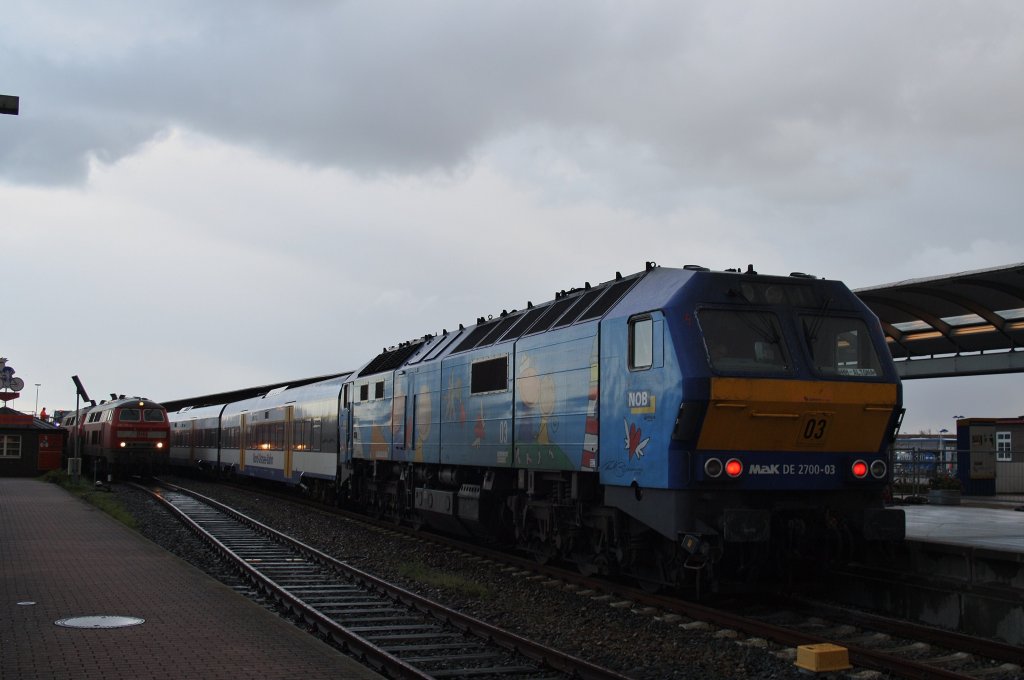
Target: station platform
column 961, row 568
column 61, row 559
column 973, row 523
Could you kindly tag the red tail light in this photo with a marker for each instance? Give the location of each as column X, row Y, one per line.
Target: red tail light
column 860, row 469
column 734, row 468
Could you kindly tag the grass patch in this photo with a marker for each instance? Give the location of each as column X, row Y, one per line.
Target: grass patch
column 102, row 499
column 417, row 571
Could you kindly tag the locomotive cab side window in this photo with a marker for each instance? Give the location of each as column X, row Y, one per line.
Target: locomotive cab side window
column 841, row 347
column 490, row 375
column 641, row 343
column 743, row 341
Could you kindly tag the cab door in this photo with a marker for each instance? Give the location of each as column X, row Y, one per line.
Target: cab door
column 401, row 425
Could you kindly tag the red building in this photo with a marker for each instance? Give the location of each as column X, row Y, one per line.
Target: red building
column 28, row 446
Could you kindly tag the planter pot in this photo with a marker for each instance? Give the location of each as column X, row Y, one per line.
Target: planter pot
column 944, row 496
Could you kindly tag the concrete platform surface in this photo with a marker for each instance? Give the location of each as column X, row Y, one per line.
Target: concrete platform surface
column 62, row 558
column 991, row 528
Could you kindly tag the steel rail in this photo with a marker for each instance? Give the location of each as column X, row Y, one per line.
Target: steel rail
column 546, row 656
column 861, row 656
column 349, row 641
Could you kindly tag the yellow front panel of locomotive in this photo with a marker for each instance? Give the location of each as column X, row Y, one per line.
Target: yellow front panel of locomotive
column 750, row 414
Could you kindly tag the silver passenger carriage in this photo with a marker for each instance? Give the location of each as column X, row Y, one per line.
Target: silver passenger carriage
column 289, row 434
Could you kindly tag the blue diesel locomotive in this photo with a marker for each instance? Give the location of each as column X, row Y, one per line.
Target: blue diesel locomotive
column 674, row 424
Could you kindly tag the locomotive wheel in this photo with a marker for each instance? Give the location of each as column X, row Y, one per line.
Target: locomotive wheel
column 542, row 552
column 597, row 564
column 650, row 579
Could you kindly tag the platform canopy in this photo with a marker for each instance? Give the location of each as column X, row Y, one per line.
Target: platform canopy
column 970, row 323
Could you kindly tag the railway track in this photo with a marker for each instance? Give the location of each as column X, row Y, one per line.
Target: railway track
column 894, row 647
column 391, row 629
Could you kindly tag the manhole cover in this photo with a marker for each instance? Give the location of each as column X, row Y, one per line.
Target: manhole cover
column 100, row 622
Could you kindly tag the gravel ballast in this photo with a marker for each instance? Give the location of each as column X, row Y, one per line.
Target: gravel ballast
column 639, row 644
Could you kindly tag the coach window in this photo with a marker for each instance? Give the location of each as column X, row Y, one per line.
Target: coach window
column 378, row 390
column 10, row 446
column 641, row 343
column 316, row 436
column 364, row 392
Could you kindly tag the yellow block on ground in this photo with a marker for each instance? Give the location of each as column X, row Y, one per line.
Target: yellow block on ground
column 823, row 657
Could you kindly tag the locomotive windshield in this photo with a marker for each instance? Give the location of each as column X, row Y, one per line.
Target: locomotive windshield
column 743, row 341
column 134, row 415
column 841, row 347
column 153, row 415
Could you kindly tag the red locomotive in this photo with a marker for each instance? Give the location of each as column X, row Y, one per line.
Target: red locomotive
column 121, row 436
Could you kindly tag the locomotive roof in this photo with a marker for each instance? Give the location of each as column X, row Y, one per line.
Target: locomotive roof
column 113, row 403
column 571, row 306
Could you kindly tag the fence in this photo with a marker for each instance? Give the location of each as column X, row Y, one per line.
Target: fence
column 914, row 469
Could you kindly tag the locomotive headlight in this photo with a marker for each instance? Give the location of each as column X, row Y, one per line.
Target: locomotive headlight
column 859, row 469
column 124, row 444
column 878, row 469
column 734, row 468
column 713, row 467
column 159, row 445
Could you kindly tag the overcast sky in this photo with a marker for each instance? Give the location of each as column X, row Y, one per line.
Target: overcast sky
column 200, row 196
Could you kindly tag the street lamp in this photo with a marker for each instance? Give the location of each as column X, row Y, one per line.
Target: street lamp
column 944, row 458
column 36, row 412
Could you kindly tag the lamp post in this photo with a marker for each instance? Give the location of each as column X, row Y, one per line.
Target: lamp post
column 36, row 412
column 942, row 445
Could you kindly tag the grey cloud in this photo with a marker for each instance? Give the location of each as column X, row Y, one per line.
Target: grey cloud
column 811, row 104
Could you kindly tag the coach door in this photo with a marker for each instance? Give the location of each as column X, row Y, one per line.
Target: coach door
column 242, row 428
column 289, row 417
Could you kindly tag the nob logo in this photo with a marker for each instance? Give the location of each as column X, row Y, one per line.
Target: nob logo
column 639, row 399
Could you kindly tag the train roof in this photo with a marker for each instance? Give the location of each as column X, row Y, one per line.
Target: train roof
column 221, row 398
